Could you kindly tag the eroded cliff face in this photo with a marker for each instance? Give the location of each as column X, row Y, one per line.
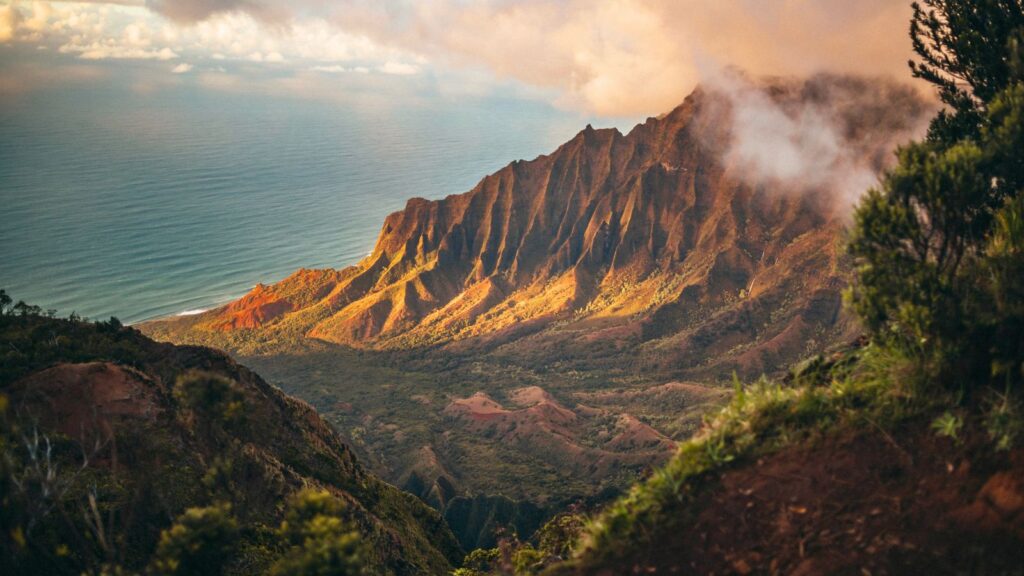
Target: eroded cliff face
column 665, row 238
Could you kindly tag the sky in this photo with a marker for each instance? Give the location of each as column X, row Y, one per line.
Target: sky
column 605, row 58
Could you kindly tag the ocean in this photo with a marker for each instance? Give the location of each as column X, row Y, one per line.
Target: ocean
column 139, row 205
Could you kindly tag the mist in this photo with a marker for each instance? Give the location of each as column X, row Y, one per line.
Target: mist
column 831, row 135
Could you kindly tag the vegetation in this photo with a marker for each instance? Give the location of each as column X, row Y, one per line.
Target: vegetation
column 322, row 542
column 119, row 455
column 553, row 543
column 939, row 245
column 197, row 544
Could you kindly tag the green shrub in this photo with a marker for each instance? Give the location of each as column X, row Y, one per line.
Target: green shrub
column 322, row 542
column 198, row 544
column 214, row 398
column 938, row 245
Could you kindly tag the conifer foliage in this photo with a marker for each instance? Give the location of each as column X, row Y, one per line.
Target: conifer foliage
column 935, row 242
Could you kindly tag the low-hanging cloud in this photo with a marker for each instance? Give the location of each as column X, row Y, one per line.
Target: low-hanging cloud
column 612, row 57
column 830, row 135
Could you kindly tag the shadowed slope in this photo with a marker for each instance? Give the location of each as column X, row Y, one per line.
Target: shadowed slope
column 105, row 397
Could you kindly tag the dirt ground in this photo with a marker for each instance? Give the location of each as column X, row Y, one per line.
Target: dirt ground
column 905, row 502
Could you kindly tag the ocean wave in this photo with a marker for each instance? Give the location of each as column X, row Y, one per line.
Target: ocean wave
column 192, row 312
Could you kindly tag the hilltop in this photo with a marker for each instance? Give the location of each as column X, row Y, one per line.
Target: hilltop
column 99, row 417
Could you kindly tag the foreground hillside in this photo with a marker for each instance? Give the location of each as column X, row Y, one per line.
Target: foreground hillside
column 109, row 437
column 846, row 472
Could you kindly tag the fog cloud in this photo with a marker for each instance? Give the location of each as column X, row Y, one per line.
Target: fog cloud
column 830, row 134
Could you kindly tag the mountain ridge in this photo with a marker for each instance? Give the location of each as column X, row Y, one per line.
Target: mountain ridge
column 635, row 233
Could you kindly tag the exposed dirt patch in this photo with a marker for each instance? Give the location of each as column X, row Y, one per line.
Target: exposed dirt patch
column 635, row 435
column 530, row 396
column 866, row 503
column 81, row 398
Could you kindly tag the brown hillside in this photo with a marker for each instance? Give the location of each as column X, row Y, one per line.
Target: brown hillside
column 856, row 503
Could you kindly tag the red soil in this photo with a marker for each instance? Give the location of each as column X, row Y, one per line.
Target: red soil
column 81, row 399
column 855, row 504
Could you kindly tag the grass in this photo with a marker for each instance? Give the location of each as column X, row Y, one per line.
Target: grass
column 868, row 387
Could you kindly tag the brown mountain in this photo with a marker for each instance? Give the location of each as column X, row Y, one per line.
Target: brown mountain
column 659, row 238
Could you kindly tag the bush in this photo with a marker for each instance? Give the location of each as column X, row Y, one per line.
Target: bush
column 322, row 542
column 214, row 398
column 198, row 544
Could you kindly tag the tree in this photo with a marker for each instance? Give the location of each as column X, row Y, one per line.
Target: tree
column 5, row 303
column 923, row 240
column 964, row 49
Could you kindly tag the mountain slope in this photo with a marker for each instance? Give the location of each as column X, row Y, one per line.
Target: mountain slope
column 660, row 240
column 110, row 402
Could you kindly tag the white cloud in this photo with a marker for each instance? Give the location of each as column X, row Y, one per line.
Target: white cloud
column 332, row 69
column 101, row 30
column 398, row 68
column 115, row 51
column 183, row 68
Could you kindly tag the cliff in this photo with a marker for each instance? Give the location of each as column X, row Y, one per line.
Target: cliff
column 662, row 240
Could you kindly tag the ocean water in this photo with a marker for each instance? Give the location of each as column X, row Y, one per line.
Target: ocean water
column 147, row 205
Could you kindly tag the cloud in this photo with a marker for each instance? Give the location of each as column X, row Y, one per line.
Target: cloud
column 9, row 20
column 183, row 68
column 612, row 56
column 399, row 68
column 339, row 69
column 115, row 51
column 829, row 134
